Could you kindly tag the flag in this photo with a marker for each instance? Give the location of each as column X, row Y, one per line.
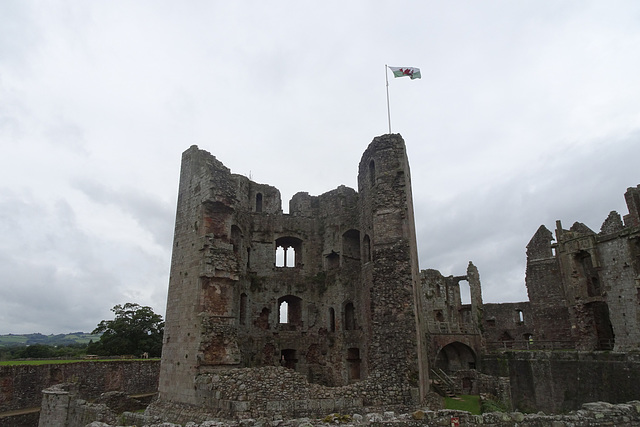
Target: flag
column 414, row 73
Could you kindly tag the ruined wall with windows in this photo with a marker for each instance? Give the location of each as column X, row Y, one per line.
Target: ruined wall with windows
column 584, row 288
column 453, row 328
column 327, row 290
column 508, row 326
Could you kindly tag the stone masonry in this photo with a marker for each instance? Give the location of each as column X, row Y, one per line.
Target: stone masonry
column 327, row 290
column 584, row 289
column 329, row 300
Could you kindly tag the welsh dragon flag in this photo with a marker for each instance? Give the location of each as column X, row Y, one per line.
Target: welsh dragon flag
column 414, row 73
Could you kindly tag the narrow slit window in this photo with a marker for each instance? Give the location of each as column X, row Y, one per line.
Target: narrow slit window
column 372, row 172
column 259, row 202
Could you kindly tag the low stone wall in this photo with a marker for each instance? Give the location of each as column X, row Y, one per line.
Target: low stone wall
column 591, row 414
column 20, row 419
column 275, row 391
column 21, row 385
column 557, row 382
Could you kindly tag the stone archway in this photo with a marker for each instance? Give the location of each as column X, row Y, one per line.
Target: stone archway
column 455, row 356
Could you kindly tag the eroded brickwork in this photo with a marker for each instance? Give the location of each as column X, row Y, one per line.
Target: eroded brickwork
column 585, row 288
column 290, row 314
column 453, row 329
column 327, row 290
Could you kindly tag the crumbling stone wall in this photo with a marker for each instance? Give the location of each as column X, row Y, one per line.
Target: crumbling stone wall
column 22, row 385
column 62, row 406
column 454, row 329
column 549, row 312
column 561, row 381
column 584, row 289
column 341, row 311
column 511, row 326
column 589, row 415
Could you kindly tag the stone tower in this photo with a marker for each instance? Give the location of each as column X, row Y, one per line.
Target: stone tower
column 326, row 291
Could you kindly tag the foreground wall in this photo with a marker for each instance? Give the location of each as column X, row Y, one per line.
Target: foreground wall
column 591, row 414
column 21, row 385
column 556, row 382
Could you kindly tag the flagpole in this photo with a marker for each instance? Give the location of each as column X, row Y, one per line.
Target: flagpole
column 386, row 76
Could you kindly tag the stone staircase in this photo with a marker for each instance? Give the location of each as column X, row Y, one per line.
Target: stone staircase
column 443, row 384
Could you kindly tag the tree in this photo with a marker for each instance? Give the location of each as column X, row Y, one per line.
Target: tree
column 135, row 330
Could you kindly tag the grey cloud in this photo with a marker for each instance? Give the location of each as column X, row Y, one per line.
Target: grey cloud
column 148, row 212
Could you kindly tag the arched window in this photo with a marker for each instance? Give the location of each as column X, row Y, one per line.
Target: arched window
column 290, row 311
column 288, row 252
column 283, row 312
column 288, row 358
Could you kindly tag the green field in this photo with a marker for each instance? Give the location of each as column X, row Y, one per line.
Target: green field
column 58, row 362
column 9, row 340
column 464, row 402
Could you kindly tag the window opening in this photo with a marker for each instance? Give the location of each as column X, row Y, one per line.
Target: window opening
column 520, row 316
column 288, row 358
column 280, row 257
column 284, row 312
column 290, row 312
column 353, row 360
column 465, row 292
column 588, row 273
column 243, row 309
column 366, row 243
column 349, row 317
column 332, row 319
column 236, row 238
column 288, row 252
column 259, row 202
column 332, row 261
column 351, row 245
column 290, row 259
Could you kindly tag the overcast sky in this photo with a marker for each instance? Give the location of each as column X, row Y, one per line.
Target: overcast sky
column 527, row 112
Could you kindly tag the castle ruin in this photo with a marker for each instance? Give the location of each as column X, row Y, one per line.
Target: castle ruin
column 324, row 309
column 329, row 290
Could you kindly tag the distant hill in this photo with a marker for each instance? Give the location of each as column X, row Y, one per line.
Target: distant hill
column 59, row 339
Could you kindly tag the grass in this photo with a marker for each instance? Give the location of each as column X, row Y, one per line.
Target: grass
column 58, row 362
column 464, row 402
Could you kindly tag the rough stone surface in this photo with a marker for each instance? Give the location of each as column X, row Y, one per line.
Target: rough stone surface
column 591, row 414
column 584, row 289
column 276, row 319
column 21, row 385
column 454, row 329
column 348, row 279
